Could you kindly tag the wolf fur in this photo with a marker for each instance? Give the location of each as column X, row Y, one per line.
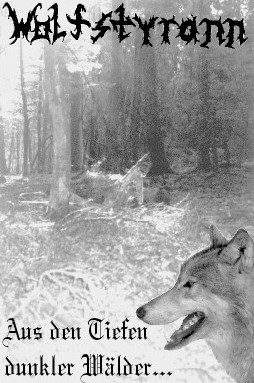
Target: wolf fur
column 215, row 290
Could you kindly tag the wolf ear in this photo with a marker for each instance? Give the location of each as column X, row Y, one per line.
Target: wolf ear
column 216, row 237
column 240, row 250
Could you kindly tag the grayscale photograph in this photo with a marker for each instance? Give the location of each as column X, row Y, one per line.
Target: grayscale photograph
column 127, row 191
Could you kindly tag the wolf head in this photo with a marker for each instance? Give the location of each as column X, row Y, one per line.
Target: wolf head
column 214, row 292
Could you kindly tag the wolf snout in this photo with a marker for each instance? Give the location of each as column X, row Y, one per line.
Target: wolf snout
column 141, row 312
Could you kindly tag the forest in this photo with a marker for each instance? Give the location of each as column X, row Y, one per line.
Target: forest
column 126, row 130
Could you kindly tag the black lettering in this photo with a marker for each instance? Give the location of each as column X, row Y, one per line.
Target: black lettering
column 21, row 27
column 95, row 328
column 191, row 26
column 56, row 35
column 54, row 332
column 92, row 365
column 166, row 23
column 231, row 33
column 9, row 368
column 146, row 26
column 41, row 28
column 208, row 32
column 78, row 21
column 100, row 27
column 11, row 331
column 119, row 26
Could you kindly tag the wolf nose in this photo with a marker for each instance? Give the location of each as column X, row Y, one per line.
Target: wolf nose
column 140, row 312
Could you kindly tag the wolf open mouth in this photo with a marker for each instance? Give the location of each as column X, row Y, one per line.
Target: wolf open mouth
column 190, row 325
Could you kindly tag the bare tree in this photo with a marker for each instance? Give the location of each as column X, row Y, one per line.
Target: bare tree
column 3, row 167
column 25, row 115
column 56, row 75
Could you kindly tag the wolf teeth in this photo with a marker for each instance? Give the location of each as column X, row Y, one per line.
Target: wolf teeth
column 190, row 323
column 187, row 325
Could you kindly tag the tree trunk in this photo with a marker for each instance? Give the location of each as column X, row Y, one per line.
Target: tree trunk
column 11, row 153
column 18, row 150
column 226, row 153
column 45, row 129
column 136, row 101
column 215, row 162
column 49, row 147
column 152, row 113
column 114, row 129
column 77, row 145
column 25, row 115
column 3, row 167
column 39, row 125
column 56, row 80
column 205, row 125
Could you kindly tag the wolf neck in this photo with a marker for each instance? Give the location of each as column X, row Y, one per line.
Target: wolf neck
column 236, row 357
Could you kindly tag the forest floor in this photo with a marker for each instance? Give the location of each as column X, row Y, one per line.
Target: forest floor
column 105, row 263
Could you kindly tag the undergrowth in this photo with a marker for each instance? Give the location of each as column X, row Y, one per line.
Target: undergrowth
column 104, row 263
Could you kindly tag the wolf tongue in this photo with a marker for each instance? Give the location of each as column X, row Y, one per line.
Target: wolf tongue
column 180, row 334
column 184, row 332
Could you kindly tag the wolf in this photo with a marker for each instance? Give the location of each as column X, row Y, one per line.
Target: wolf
column 215, row 294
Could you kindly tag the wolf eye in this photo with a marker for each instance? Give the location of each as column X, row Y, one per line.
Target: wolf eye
column 189, row 284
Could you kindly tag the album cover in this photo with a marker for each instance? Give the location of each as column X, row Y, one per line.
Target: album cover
column 126, row 191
